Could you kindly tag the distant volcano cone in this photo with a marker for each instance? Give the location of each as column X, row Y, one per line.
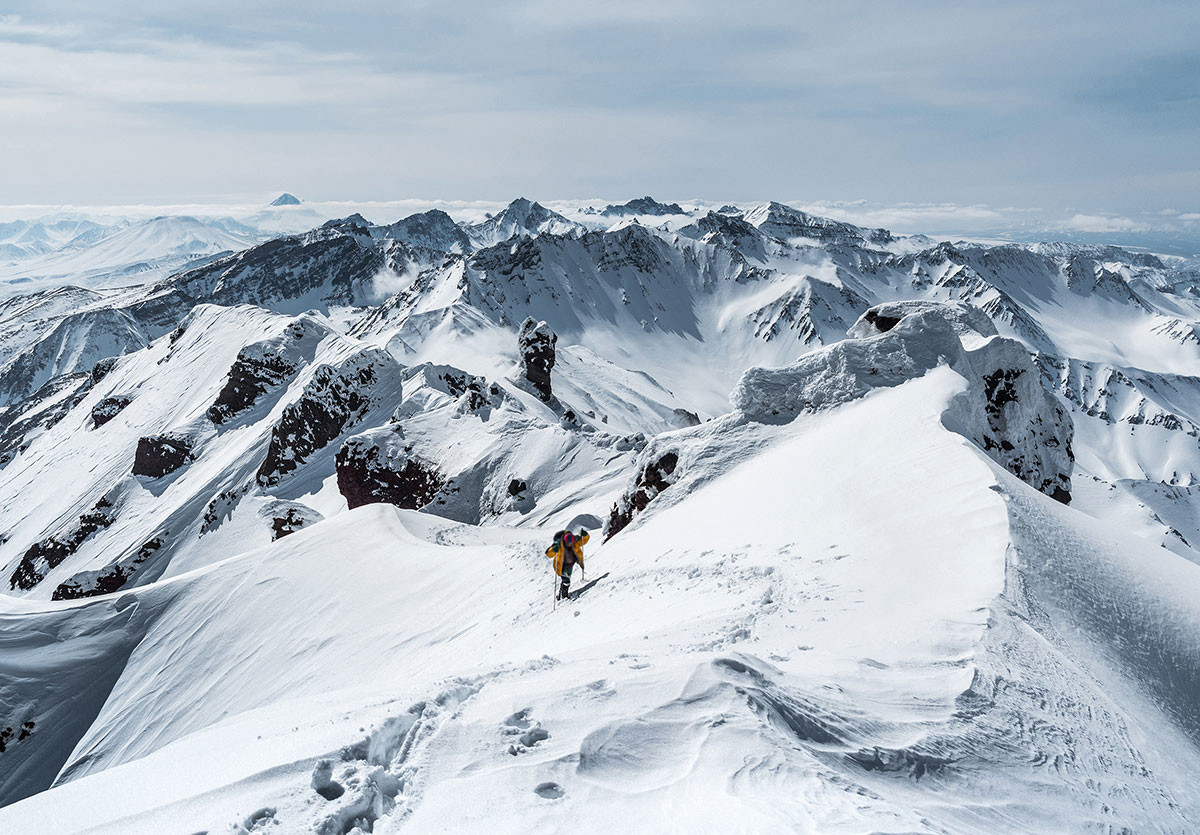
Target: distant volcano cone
column 286, row 199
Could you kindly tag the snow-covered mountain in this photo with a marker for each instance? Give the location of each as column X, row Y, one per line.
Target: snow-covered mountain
column 888, row 534
column 125, row 253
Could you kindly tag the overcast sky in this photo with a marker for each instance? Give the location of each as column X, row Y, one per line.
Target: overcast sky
column 1088, row 107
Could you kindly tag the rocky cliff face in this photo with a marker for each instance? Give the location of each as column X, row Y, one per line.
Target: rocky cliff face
column 112, row 578
column 536, row 345
column 379, row 466
column 654, row 477
column 158, row 455
column 1024, row 427
column 107, row 409
column 51, row 551
column 334, row 400
column 264, row 366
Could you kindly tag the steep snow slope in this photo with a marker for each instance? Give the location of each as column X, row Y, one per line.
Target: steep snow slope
column 973, row 656
column 776, row 650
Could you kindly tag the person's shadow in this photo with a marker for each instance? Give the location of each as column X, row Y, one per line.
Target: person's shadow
column 588, row 585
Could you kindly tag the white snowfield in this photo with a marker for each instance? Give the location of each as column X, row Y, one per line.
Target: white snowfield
column 790, row 647
column 935, row 575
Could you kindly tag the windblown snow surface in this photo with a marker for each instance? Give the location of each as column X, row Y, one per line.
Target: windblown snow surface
column 886, row 537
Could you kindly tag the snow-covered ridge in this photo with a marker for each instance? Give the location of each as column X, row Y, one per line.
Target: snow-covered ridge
column 836, row 473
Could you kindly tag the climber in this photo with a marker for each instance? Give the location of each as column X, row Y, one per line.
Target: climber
column 566, row 551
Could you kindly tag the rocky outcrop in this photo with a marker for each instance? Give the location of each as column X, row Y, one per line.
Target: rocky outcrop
column 249, row 378
column 46, row 407
column 968, row 321
column 1024, row 427
column 263, row 366
column 1006, row 409
column 536, row 345
column 113, row 578
column 379, row 467
column 102, row 367
column 220, row 507
column 158, row 455
column 45, row 555
column 848, row 370
column 685, row 417
column 474, row 393
column 655, row 477
column 288, row 517
column 333, row 401
column 107, row 409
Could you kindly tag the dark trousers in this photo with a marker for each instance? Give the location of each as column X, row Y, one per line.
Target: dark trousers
column 564, row 590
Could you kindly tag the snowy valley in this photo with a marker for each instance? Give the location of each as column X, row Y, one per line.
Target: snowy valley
column 888, row 533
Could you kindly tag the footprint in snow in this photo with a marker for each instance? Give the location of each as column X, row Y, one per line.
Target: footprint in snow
column 259, row 820
column 528, row 739
column 323, row 782
column 519, row 723
column 550, row 791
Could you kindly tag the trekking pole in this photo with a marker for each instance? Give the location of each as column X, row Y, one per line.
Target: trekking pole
column 553, row 590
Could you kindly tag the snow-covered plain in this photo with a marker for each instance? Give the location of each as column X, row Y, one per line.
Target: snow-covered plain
column 272, row 527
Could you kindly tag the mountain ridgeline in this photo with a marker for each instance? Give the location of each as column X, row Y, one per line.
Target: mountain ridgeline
column 708, row 297
column 609, row 368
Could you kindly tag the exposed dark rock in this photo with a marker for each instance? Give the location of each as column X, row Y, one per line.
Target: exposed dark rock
column 158, row 455
column 288, row 517
column 249, row 378
column 517, row 486
column 290, row 522
column 178, row 333
column 1031, row 439
column 48, row 553
column 102, row 367
column 378, row 467
column 9, row 734
column 220, row 506
column 474, row 392
column 107, row 409
column 113, row 578
column 882, row 323
column 333, row 400
column 263, row 366
column 536, row 344
column 654, row 477
column 686, row 417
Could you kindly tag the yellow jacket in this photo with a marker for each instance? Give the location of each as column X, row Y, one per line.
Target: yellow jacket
column 557, row 552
